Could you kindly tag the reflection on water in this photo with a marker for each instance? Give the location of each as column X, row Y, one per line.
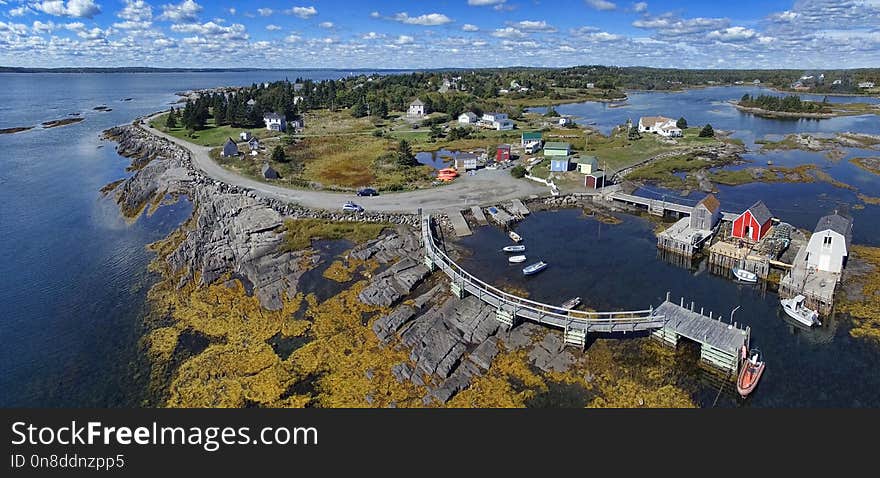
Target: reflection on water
column 616, row 267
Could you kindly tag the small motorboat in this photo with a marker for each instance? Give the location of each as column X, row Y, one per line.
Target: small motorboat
column 516, row 259
column 518, row 248
column 795, row 308
column 571, row 303
column 744, row 275
column 535, row 268
column 514, row 236
column 752, row 369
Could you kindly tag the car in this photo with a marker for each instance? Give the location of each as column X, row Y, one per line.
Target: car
column 367, row 192
column 352, row 207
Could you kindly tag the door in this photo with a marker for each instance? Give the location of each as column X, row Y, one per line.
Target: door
column 825, row 262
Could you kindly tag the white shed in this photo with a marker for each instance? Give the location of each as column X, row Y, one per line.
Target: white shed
column 829, row 245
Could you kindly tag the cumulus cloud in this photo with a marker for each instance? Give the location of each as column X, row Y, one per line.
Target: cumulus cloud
column 326, row 25
column 603, row 5
column 640, row 7
column 236, row 31
column 508, row 32
column 265, row 12
column 404, row 40
column 303, row 12
column 470, row 28
column 372, row 36
column 273, row 28
column 428, row 19
column 668, row 25
column 733, row 34
column 534, row 26
column 185, row 12
column 70, row 8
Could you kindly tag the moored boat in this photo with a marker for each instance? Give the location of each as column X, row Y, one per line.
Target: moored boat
column 752, row 369
column 514, row 236
column 517, row 248
column 795, row 308
column 744, row 275
column 535, row 268
column 516, row 259
column 571, row 303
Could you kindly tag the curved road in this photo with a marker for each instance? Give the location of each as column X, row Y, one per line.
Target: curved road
column 486, row 188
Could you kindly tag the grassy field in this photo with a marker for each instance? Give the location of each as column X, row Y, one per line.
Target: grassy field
column 618, row 152
column 210, row 136
column 299, row 233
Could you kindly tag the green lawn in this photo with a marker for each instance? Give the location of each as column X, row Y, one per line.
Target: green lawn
column 211, row 135
column 618, row 152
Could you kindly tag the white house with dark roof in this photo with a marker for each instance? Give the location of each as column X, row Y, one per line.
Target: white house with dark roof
column 467, row 118
column 660, row 125
column 829, row 245
column 275, row 121
column 416, row 108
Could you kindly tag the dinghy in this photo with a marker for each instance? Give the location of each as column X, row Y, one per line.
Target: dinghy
column 535, row 268
column 514, row 248
column 751, row 372
column 796, row 309
column 571, row 303
column 514, row 236
column 516, row 259
column 744, row 275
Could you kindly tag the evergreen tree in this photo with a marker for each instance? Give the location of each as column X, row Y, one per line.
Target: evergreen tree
column 405, row 156
column 171, row 120
column 634, row 133
column 278, row 155
column 682, row 123
column 707, row 132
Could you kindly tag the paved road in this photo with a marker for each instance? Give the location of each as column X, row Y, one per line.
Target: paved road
column 487, row 187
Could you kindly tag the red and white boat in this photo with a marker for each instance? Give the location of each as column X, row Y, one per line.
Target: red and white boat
column 752, row 369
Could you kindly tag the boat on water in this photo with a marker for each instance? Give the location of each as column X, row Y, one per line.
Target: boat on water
column 571, row 303
column 752, row 369
column 516, row 259
column 744, row 275
column 518, row 248
column 535, row 268
column 795, row 308
column 514, row 236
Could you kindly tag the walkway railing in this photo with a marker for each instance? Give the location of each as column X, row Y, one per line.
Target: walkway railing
column 634, row 320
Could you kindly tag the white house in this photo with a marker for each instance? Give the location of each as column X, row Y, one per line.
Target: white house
column 563, row 121
column 659, row 125
column 591, row 85
column 493, row 117
column 244, row 135
column 866, row 84
column 416, row 108
column 502, row 124
column 829, row 245
column 467, row 118
column 275, row 121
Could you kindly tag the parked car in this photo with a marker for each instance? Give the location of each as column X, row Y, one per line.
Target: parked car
column 352, row 207
column 367, row 192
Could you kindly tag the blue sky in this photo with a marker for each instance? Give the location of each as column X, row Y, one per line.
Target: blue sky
column 805, row 34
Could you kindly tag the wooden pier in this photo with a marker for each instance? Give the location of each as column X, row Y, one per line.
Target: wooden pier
column 477, row 212
column 661, row 207
column 501, row 216
column 459, row 224
column 720, row 343
column 520, row 208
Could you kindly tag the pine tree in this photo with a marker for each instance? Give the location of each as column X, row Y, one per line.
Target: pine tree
column 171, row 120
column 707, row 132
column 682, row 123
column 278, row 155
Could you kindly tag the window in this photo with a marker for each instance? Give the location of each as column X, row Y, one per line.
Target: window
column 826, row 241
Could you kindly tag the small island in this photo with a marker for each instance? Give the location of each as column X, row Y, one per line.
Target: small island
column 792, row 106
column 61, row 122
column 17, row 129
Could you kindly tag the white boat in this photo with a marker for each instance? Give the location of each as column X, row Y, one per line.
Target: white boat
column 516, row 259
column 796, row 309
column 519, row 248
column 744, row 275
column 535, row 268
column 514, row 236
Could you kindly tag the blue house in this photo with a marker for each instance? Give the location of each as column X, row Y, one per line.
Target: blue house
column 559, row 164
column 230, row 149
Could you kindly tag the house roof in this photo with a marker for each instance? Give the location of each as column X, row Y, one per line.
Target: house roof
column 760, row 212
column 273, row 115
column 492, row 113
column 469, row 114
column 532, row 135
column 835, row 222
column 229, row 141
column 466, row 156
column 557, row 145
column 711, row 203
column 597, row 174
column 653, row 120
column 417, row 102
column 586, row 160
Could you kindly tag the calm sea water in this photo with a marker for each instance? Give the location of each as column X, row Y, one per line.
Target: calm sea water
column 73, row 272
column 617, row 267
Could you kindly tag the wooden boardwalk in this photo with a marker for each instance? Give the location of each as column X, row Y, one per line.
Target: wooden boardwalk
column 459, row 224
column 477, row 211
column 520, row 208
column 659, row 208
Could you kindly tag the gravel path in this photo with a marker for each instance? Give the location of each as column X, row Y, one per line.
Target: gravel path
column 486, row 188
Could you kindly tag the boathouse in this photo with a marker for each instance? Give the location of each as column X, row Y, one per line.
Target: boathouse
column 688, row 235
column 503, row 153
column 230, row 149
column 829, row 245
column 595, row 180
column 706, row 213
column 753, row 224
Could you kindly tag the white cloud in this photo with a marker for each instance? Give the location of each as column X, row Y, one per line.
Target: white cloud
column 508, row 32
column 470, row 28
column 603, row 5
column 236, row 31
column 232, row 11
column 484, row 3
column 273, row 28
column 70, row 8
column 303, row 12
column 40, row 27
column 186, row 12
column 293, row 38
column 428, row 19
column 404, row 40
column 640, row 7
column 733, row 34
column 372, row 36
column 375, row 15
column 326, row 25
column 534, row 26
column 265, row 12
column 20, row 11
